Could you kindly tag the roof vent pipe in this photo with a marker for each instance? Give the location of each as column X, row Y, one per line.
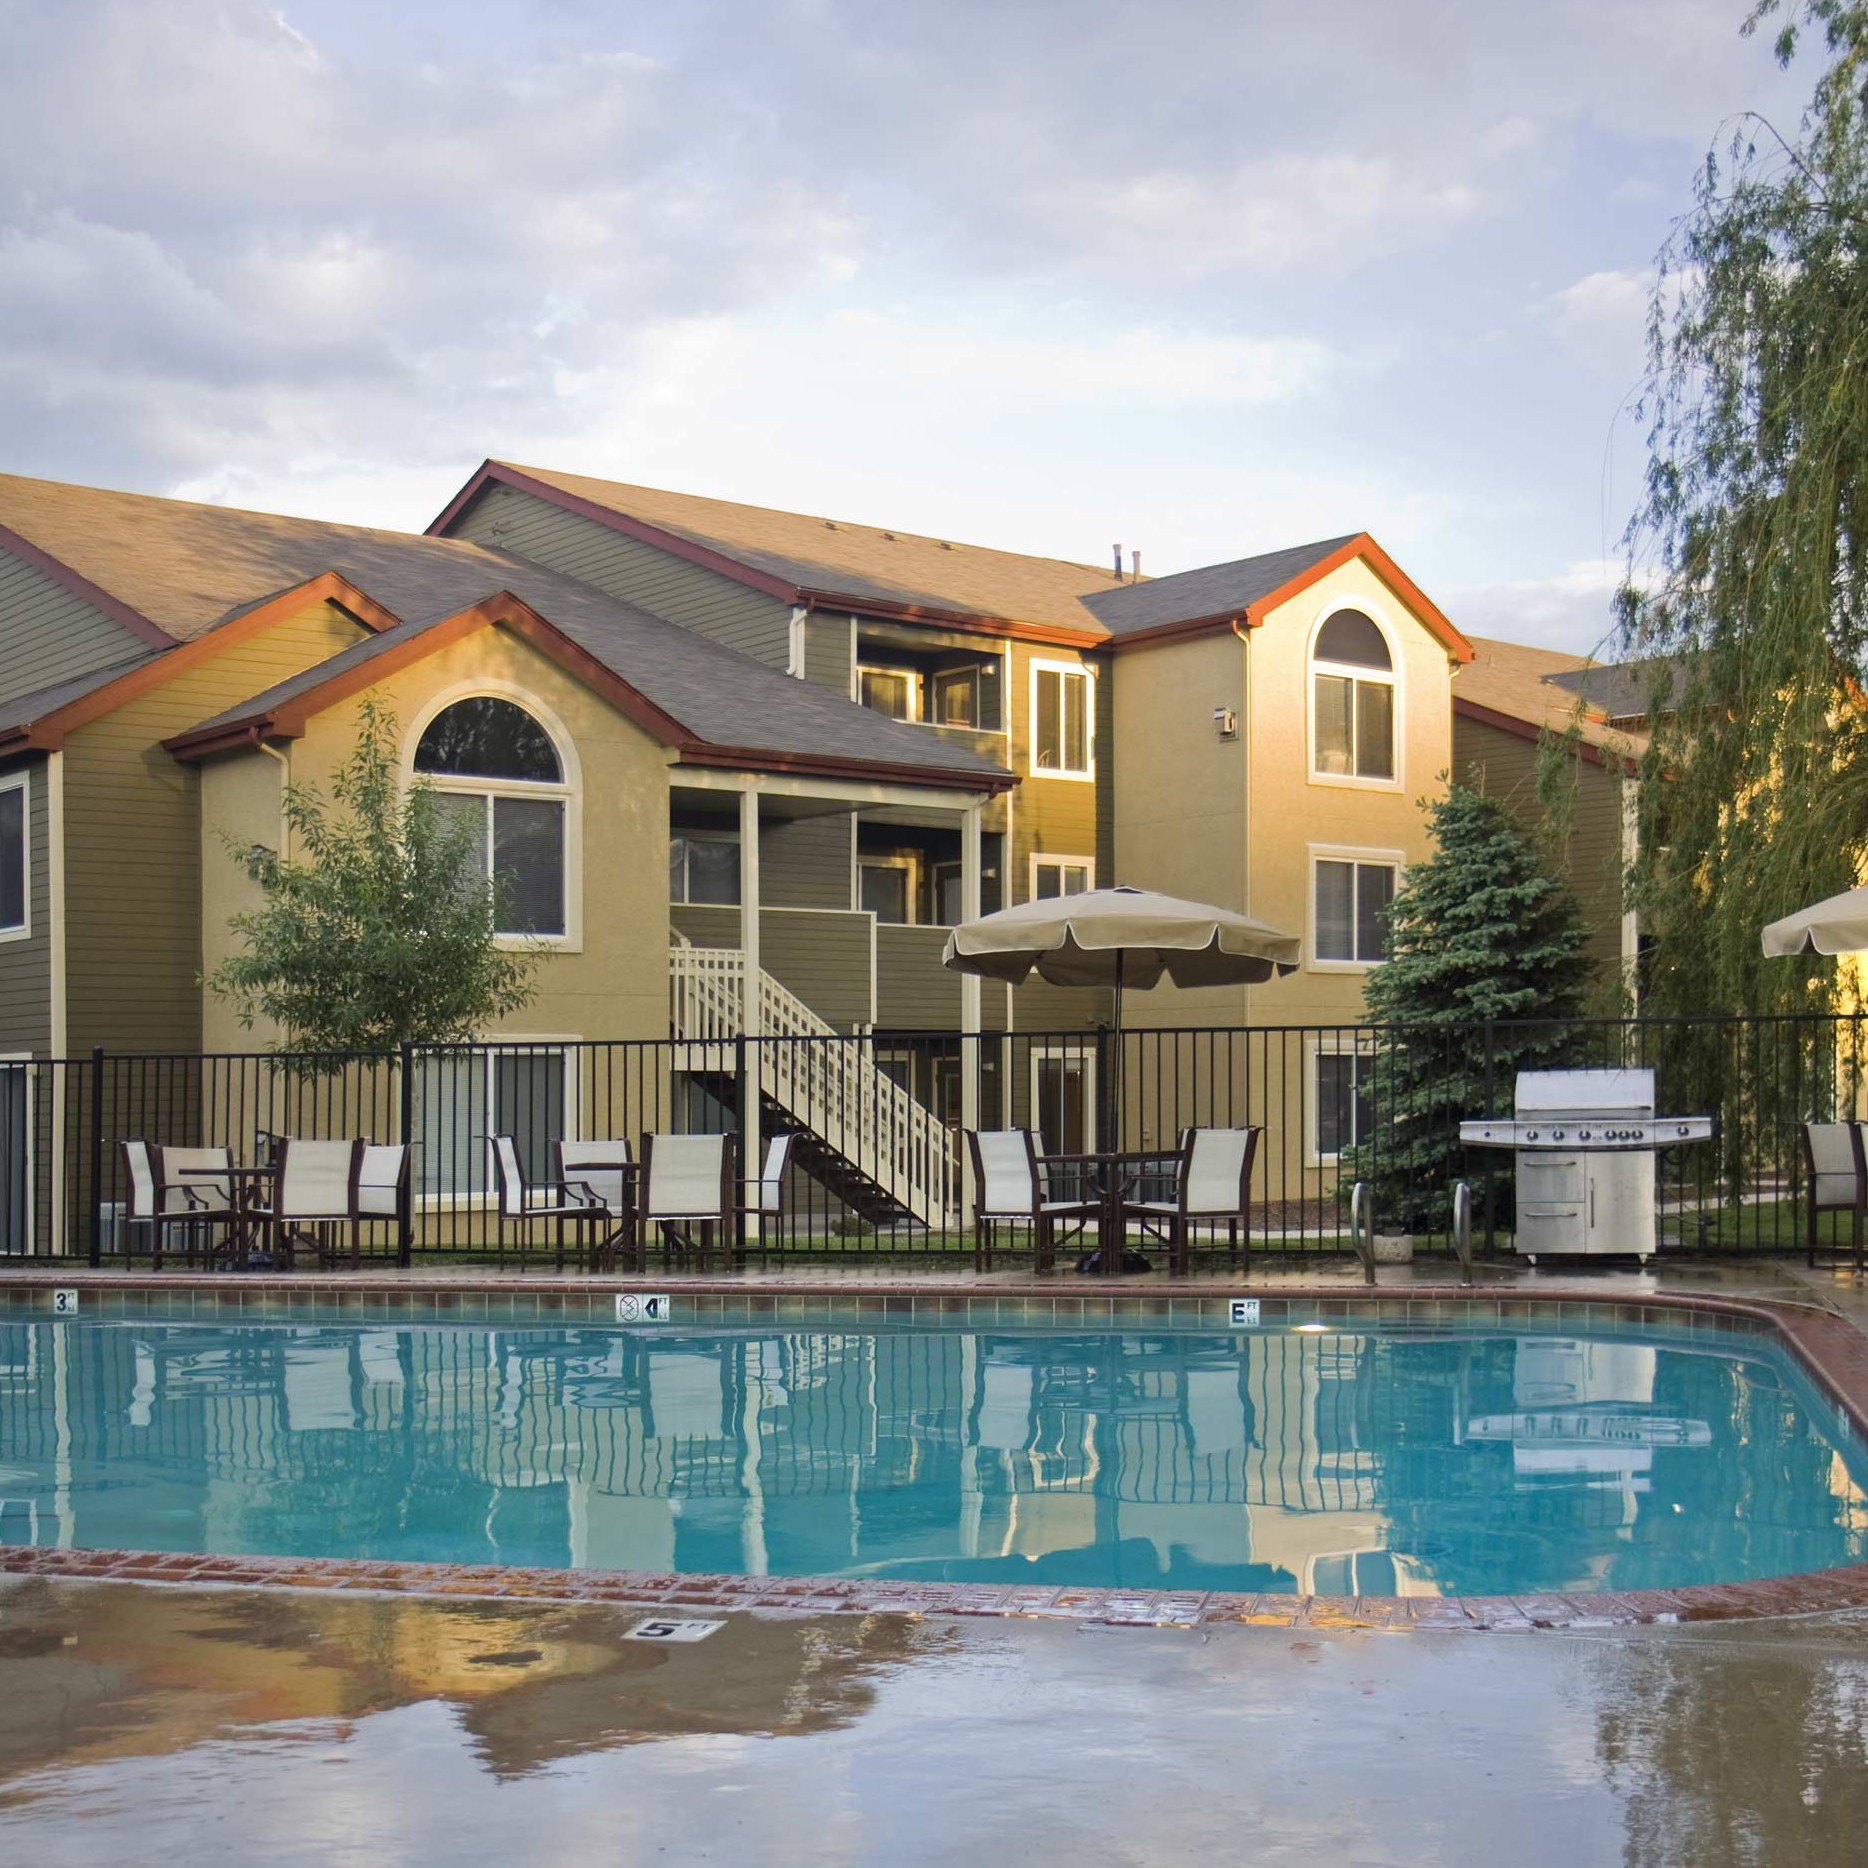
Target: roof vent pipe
column 1135, row 560
column 1118, row 569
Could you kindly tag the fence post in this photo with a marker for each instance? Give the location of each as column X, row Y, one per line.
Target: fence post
column 405, row 1211
column 1105, row 1098
column 97, row 1156
column 748, row 1141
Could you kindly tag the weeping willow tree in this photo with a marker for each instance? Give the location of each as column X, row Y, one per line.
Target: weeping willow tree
column 1748, row 593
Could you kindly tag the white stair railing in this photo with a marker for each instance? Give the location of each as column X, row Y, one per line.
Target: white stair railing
column 826, row 1082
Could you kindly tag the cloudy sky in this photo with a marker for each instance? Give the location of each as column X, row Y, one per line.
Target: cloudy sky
column 1204, row 276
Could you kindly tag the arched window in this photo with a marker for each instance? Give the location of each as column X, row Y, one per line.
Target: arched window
column 495, row 766
column 1354, row 699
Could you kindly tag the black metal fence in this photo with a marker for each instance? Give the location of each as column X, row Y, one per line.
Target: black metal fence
column 877, row 1168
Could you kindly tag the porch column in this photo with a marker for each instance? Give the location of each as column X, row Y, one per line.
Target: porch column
column 749, row 905
column 969, row 982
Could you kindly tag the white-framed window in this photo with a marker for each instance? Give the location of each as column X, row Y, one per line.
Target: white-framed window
column 703, row 867
column 15, row 857
column 499, row 769
column 1350, row 891
column 525, row 1088
column 1338, row 1111
column 1354, row 719
column 1063, row 721
column 893, row 691
column 886, row 888
column 1052, row 876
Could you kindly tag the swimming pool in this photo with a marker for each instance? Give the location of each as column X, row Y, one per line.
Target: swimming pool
column 1331, row 1461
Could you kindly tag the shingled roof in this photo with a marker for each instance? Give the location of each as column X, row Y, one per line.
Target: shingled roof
column 188, row 568
column 1542, row 689
column 829, row 563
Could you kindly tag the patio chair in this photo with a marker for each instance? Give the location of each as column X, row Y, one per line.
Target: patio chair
column 1009, row 1190
column 687, row 1190
column 382, row 1181
column 196, row 1186
column 765, row 1197
column 1212, row 1182
column 312, row 1198
column 1835, row 1179
column 568, row 1205
column 601, row 1168
column 167, row 1209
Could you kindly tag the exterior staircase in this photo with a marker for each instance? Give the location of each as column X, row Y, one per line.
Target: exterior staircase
column 881, row 1151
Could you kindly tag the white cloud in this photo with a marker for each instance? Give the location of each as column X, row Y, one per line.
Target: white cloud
column 1569, row 610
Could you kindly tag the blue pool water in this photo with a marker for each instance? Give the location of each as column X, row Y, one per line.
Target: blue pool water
column 1336, row 1462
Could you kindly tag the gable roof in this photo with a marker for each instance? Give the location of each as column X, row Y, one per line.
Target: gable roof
column 802, row 558
column 1212, row 590
column 835, row 563
column 1531, row 691
column 196, row 569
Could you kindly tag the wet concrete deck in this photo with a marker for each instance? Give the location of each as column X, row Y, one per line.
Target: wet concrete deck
column 234, row 1728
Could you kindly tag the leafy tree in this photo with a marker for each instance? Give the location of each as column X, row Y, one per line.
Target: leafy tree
column 1479, row 934
column 1749, row 552
column 380, row 928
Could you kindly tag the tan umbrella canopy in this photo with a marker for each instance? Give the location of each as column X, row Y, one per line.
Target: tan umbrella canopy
column 1839, row 925
column 1120, row 937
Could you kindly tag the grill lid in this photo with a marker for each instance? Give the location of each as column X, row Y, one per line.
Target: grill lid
column 1591, row 1092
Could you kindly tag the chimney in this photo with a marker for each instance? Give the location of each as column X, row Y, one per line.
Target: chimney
column 1118, row 569
column 1135, row 558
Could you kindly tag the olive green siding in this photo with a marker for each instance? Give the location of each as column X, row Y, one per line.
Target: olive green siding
column 1504, row 766
column 804, row 862
column 829, row 651
column 508, row 520
column 47, row 635
column 914, row 992
column 26, row 964
column 825, row 957
column 133, row 841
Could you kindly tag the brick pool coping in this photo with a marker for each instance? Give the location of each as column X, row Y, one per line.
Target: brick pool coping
column 1831, row 1351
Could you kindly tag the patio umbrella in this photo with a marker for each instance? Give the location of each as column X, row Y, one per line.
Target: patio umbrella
column 1838, row 925
column 1120, row 938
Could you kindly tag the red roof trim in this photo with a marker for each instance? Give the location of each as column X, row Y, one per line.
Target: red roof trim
column 825, row 765
column 289, row 719
column 493, row 473
column 62, row 574
column 1253, row 615
column 48, row 734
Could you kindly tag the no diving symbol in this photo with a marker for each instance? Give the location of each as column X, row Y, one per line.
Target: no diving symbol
column 642, row 1307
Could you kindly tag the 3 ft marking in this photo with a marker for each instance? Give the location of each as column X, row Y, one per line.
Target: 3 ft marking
column 643, row 1307
column 1245, row 1313
column 64, row 1303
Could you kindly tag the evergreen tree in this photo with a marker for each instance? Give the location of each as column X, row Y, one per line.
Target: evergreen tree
column 1481, row 933
column 381, row 929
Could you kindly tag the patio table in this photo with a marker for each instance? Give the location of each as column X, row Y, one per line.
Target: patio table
column 246, row 1186
column 1112, row 1175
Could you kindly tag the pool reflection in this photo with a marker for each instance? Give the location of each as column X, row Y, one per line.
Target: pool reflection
column 1332, row 1463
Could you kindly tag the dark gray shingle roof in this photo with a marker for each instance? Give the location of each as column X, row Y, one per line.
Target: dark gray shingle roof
column 1213, row 590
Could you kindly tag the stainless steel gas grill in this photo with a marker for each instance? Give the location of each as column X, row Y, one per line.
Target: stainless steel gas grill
column 1586, row 1142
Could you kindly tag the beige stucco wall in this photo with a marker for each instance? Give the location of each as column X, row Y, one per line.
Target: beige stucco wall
column 610, row 978
column 1237, row 822
column 134, row 861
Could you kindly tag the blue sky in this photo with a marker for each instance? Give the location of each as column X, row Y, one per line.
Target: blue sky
column 1206, row 277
